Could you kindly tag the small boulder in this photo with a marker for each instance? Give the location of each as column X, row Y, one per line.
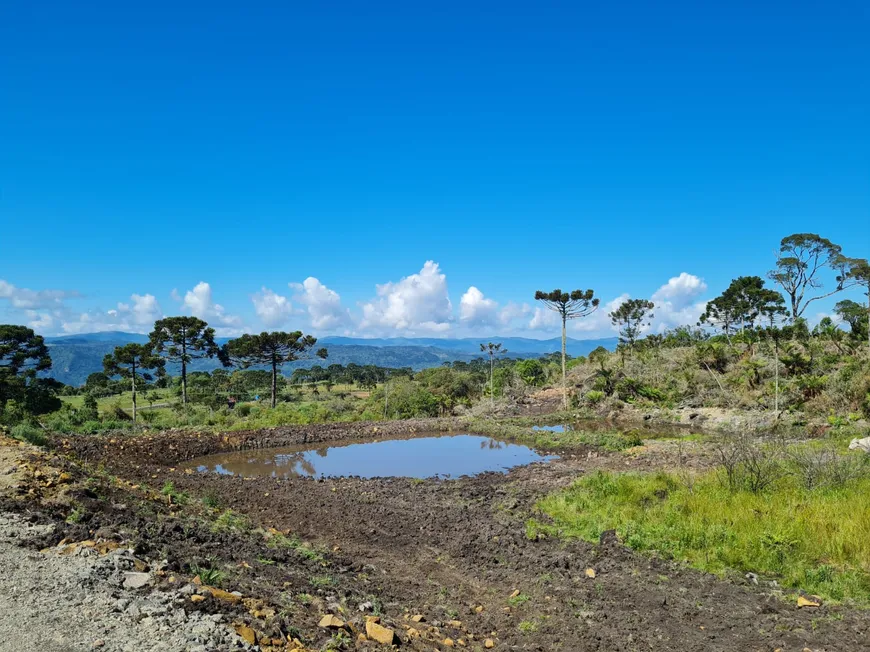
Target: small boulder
column 331, row 622
column 379, row 633
column 248, row 634
column 136, row 580
column 860, row 444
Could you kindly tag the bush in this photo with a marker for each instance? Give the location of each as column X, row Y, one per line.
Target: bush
column 594, row 396
column 29, row 433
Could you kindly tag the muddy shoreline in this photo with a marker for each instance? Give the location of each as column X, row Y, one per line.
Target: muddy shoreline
column 451, row 551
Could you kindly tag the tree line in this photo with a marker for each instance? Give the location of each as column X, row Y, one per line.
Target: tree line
column 808, row 268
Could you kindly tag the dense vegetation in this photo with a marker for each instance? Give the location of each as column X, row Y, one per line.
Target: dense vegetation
column 751, row 350
column 794, row 514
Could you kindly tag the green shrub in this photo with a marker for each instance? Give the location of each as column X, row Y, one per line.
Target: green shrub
column 29, row 433
column 594, row 396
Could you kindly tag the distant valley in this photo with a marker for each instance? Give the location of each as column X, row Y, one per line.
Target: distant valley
column 76, row 356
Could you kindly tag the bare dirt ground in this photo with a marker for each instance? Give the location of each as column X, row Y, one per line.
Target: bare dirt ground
column 437, row 561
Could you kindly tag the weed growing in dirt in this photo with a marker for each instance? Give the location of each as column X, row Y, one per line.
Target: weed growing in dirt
column 211, row 499
column 528, row 627
column 815, row 540
column 304, row 599
column 229, row 521
column 174, row 495
column 517, row 600
column 75, row 516
column 208, row 575
column 338, row 641
column 294, row 543
column 321, row 581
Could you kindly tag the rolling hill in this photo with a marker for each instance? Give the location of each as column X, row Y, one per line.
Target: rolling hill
column 76, row 356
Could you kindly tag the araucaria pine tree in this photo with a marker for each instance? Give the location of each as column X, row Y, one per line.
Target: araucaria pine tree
column 569, row 305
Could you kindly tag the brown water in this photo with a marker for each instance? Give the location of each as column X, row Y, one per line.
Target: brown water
column 416, row 457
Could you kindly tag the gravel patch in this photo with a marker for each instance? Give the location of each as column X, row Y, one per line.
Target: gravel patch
column 87, row 601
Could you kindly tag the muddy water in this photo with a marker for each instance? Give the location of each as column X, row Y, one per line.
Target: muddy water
column 415, row 457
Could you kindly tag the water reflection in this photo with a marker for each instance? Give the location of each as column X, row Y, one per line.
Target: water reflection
column 420, row 457
column 559, row 428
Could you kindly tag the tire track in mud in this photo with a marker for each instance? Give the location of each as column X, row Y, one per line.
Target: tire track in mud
column 457, row 550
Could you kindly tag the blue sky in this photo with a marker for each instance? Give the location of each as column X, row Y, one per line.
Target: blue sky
column 200, row 157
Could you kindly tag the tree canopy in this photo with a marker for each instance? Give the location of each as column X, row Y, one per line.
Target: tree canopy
column 801, row 263
column 631, row 317
column 569, row 305
column 272, row 349
column 182, row 339
column 742, row 305
column 133, row 361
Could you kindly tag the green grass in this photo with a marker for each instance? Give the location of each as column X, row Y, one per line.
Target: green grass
column 208, row 575
column 528, row 627
column 817, row 541
column 177, row 497
column 517, row 600
column 106, row 403
column 520, row 430
column 230, row 521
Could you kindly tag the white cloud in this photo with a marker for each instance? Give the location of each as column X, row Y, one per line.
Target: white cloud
column 680, row 290
column 544, row 318
column 272, row 309
column 200, row 304
column 512, row 312
column 676, row 302
column 40, row 322
column 599, row 321
column 418, row 302
column 323, row 304
column 144, row 311
column 476, row 309
column 26, row 299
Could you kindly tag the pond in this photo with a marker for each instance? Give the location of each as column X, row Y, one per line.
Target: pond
column 446, row 456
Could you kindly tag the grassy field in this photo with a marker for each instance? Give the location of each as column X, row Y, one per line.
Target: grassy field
column 125, row 400
column 814, row 540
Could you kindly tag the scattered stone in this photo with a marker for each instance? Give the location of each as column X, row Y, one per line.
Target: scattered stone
column 590, row 573
column 478, row 609
column 136, row 580
column 752, row 577
column 489, row 644
column 418, row 618
column 455, row 623
column 197, row 598
column 379, row 633
column 447, row 642
column 331, row 622
column 98, row 643
column 248, row 634
column 860, row 444
column 226, row 596
column 366, row 606
column 515, row 593
column 811, row 601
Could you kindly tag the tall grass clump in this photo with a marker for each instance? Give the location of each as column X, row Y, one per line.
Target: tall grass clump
column 806, row 525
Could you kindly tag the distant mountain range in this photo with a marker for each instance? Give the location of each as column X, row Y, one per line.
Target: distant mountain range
column 76, row 356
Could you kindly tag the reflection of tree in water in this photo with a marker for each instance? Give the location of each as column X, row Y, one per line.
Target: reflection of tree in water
column 250, row 464
column 491, row 444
